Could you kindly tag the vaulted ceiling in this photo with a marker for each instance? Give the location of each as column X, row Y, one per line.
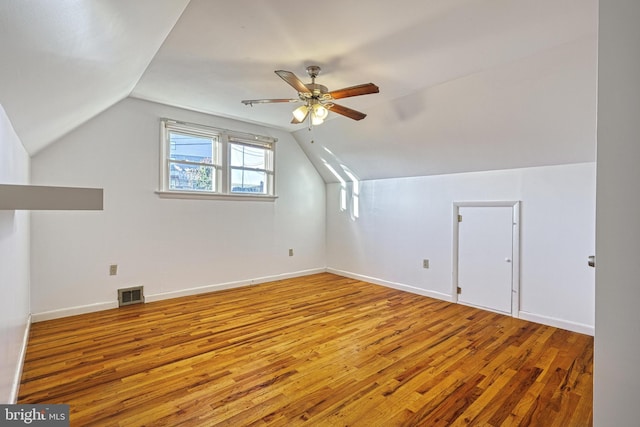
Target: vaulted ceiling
column 464, row 85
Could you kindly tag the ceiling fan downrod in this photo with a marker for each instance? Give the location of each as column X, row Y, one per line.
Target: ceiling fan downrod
column 313, row 71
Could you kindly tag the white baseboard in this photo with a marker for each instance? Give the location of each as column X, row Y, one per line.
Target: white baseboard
column 558, row 323
column 531, row 317
column 195, row 291
column 229, row 285
column 72, row 311
column 55, row 314
column 15, row 386
column 394, row 285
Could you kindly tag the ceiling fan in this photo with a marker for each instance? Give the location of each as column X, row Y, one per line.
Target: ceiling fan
column 317, row 99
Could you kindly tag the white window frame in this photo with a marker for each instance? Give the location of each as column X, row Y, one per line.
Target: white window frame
column 268, row 170
column 221, row 162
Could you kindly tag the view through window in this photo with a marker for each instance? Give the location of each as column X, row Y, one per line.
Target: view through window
column 191, row 162
column 204, row 160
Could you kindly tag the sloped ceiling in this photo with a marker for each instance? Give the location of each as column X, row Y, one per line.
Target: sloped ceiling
column 63, row 62
column 464, row 85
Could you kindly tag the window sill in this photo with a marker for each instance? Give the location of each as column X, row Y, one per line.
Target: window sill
column 212, row 196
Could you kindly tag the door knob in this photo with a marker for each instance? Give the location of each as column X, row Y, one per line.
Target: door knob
column 507, row 260
column 592, row 261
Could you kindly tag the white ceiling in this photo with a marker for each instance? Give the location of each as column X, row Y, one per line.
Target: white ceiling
column 464, row 84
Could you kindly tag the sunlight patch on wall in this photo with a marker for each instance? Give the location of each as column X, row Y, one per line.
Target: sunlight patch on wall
column 347, row 178
column 355, row 192
column 343, row 186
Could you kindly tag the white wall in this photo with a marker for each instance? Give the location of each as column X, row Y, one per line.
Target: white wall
column 403, row 221
column 169, row 246
column 14, row 264
column 617, row 342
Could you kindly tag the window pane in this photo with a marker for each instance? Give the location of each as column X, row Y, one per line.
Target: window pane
column 192, row 148
column 191, row 177
column 244, row 181
column 247, row 157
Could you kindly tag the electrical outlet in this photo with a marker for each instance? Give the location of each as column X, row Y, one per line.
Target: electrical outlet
column 113, row 269
column 290, row 252
column 425, row 263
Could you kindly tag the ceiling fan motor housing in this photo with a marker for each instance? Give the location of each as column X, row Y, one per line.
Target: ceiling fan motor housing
column 313, row 71
column 316, row 90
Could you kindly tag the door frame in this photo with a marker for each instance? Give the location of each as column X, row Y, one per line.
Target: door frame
column 515, row 237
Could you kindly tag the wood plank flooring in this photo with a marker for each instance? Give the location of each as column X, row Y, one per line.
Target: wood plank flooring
column 320, row 350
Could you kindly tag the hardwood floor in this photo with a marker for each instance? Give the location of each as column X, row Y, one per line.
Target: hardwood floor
column 320, row 350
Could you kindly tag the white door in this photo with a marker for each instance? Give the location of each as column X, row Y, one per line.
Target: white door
column 485, row 256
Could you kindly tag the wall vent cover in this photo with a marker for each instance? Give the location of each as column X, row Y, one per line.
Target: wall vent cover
column 130, row 296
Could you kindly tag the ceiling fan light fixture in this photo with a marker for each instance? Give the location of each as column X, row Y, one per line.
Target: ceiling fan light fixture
column 300, row 113
column 315, row 120
column 320, row 111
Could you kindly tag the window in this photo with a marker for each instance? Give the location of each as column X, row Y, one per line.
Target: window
column 251, row 167
column 192, row 161
column 200, row 161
